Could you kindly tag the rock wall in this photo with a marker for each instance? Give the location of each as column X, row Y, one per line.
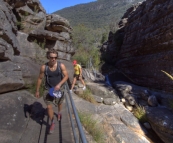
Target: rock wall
column 142, row 48
column 26, row 33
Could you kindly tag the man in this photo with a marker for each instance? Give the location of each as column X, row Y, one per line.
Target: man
column 77, row 75
column 52, row 71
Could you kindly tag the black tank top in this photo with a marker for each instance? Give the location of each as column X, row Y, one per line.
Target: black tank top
column 53, row 77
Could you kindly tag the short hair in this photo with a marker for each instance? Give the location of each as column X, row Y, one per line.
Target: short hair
column 51, row 51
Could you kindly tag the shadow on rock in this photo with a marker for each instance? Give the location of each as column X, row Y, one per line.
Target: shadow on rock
column 34, row 111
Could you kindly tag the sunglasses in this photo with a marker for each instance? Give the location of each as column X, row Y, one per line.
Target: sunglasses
column 53, row 57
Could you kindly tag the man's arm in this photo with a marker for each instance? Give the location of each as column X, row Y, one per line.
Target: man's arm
column 65, row 77
column 39, row 81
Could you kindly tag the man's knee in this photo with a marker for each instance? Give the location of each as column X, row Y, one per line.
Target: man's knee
column 49, row 107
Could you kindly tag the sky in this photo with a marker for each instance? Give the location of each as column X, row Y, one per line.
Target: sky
column 53, row 5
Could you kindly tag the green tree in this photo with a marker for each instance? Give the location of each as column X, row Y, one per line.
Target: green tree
column 86, row 41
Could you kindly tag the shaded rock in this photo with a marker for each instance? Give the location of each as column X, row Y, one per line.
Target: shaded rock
column 147, row 125
column 152, row 101
column 15, row 119
column 144, row 95
column 47, row 35
column 29, row 49
column 161, row 121
column 6, row 50
column 125, row 90
column 8, row 26
column 147, row 43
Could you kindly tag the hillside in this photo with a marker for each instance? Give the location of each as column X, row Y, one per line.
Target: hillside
column 96, row 14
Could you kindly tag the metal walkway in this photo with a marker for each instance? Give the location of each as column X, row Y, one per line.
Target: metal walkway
column 62, row 132
column 68, row 129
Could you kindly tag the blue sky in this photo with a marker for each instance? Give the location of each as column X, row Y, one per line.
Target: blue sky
column 54, row 5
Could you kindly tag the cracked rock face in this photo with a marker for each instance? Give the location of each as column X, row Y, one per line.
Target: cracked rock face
column 142, row 47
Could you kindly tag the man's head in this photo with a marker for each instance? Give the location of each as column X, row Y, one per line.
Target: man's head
column 52, row 55
column 74, row 62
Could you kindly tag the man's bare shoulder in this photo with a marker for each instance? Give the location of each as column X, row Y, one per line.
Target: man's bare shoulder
column 42, row 68
column 63, row 66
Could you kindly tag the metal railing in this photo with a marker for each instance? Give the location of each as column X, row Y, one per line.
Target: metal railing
column 79, row 135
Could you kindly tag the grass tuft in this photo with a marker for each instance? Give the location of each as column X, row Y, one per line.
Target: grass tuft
column 87, row 95
column 140, row 114
column 92, row 127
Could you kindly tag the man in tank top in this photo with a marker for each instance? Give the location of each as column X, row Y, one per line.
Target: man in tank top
column 53, row 71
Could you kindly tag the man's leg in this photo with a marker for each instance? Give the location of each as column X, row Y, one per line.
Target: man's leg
column 59, row 111
column 50, row 111
column 59, row 102
column 50, row 114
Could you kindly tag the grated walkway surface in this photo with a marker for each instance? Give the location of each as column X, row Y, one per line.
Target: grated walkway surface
column 62, row 132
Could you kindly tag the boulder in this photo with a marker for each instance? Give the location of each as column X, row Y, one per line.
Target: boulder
column 160, row 119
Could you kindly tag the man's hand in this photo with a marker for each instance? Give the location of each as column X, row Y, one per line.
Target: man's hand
column 37, row 94
column 57, row 87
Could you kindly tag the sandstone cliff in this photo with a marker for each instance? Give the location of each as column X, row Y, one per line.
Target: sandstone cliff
column 142, row 50
column 142, row 47
column 26, row 32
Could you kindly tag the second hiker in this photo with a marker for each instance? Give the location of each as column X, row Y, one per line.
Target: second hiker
column 77, row 75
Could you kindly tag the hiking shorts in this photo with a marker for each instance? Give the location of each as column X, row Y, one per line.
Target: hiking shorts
column 77, row 76
column 52, row 100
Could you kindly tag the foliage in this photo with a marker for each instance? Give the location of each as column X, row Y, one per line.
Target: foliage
column 88, row 96
column 140, row 113
column 86, row 41
column 96, row 14
column 91, row 125
column 21, row 23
